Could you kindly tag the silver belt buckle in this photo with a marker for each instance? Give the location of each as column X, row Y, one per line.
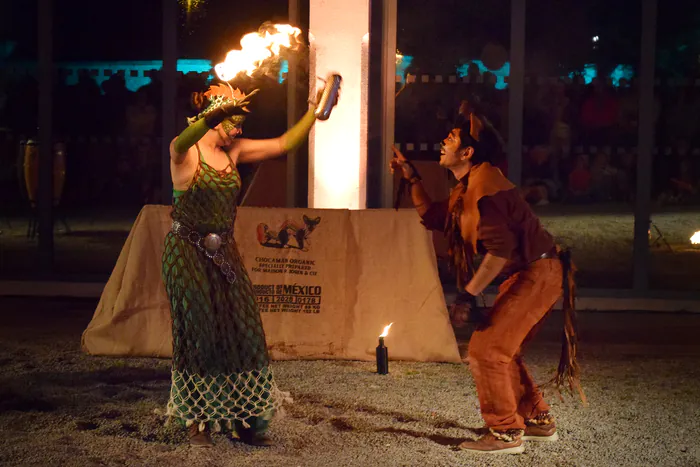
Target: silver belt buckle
column 209, row 244
column 212, row 243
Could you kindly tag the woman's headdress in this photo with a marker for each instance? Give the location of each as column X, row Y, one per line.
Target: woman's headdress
column 218, row 95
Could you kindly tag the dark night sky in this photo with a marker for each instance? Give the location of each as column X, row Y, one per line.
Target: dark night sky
column 131, row 29
column 439, row 36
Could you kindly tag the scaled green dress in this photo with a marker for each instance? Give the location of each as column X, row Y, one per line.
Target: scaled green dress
column 221, row 370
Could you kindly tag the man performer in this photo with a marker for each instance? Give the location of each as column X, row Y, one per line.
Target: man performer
column 487, row 215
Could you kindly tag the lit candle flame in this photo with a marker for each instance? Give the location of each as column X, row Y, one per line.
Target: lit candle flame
column 695, row 239
column 386, row 331
column 257, row 47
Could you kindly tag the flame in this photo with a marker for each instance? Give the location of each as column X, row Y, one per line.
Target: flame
column 256, row 47
column 695, row 239
column 191, row 5
column 386, row 331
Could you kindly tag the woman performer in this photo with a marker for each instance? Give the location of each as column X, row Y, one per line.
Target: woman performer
column 221, row 376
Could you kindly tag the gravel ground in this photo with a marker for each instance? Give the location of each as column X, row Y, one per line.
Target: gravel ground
column 59, row 407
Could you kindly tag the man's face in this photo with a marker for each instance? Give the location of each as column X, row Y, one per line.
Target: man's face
column 450, row 153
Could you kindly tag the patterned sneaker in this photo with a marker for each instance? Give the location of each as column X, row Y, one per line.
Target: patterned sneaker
column 496, row 442
column 541, row 428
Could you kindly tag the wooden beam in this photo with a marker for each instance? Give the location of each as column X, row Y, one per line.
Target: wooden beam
column 169, row 96
column 516, row 91
column 389, row 21
column 46, row 162
column 642, row 214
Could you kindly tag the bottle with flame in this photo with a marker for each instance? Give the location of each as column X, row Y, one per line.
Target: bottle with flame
column 383, row 353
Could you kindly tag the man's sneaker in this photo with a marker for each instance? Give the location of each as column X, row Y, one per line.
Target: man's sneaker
column 496, row 442
column 541, row 428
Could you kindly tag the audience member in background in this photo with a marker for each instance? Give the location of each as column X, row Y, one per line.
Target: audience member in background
column 540, row 184
column 580, row 181
column 626, row 176
column 602, row 177
column 560, row 136
column 599, row 115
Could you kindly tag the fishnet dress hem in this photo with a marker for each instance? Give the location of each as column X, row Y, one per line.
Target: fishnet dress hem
column 224, row 399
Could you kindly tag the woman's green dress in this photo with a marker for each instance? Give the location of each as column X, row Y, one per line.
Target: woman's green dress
column 221, row 370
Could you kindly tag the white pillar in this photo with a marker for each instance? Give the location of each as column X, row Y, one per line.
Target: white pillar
column 339, row 43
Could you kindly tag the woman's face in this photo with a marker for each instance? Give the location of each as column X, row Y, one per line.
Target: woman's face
column 228, row 130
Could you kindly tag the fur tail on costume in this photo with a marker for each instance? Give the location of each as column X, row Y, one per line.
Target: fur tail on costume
column 568, row 372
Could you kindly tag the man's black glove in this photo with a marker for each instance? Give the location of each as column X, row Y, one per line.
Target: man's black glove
column 464, row 310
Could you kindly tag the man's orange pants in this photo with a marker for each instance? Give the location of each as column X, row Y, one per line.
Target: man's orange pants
column 507, row 393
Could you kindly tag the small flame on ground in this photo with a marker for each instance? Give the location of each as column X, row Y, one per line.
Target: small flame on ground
column 256, row 47
column 695, row 239
column 386, row 331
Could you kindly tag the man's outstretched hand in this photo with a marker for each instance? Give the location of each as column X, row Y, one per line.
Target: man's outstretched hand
column 399, row 161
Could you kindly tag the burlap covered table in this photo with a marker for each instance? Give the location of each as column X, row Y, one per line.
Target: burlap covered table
column 327, row 281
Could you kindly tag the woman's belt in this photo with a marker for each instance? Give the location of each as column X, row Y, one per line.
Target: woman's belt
column 209, row 244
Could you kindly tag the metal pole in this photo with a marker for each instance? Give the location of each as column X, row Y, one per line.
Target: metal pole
column 516, row 90
column 168, row 106
column 45, row 189
column 389, row 20
column 292, row 109
column 642, row 213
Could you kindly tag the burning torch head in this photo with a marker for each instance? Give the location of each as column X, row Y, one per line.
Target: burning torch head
column 259, row 50
column 329, row 97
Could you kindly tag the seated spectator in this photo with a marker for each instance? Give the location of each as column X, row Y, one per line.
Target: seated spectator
column 580, row 180
column 602, row 178
column 599, row 115
column 540, row 184
column 626, row 176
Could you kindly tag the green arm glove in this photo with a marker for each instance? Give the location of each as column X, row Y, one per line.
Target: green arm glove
column 190, row 136
column 198, row 129
column 296, row 135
